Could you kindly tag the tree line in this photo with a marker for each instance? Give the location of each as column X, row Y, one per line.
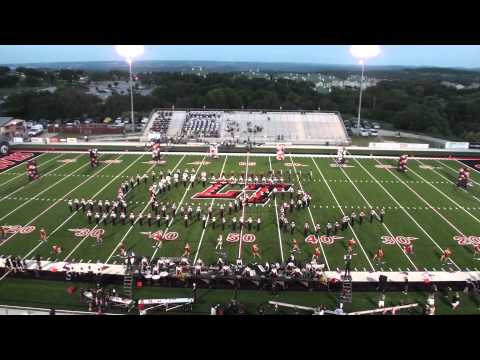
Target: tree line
column 420, row 104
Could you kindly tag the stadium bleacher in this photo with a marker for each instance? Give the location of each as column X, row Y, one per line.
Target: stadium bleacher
column 161, row 122
column 202, row 124
column 303, row 128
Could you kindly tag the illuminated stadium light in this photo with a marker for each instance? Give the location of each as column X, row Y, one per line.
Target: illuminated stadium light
column 130, row 52
column 363, row 52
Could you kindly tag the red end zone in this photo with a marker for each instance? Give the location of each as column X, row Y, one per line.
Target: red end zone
column 15, row 158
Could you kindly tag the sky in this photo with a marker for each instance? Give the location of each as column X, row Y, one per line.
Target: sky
column 417, row 55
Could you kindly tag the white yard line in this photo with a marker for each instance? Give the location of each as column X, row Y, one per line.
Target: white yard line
column 446, row 196
column 179, row 205
column 276, row 216
column 343, row 213
column 41, row 192
column 23, row 163
column 133, row 225
column 59, row 200
column 208, row 216
column 383, row 223
column 24, row 174
column 403, row 209
column 33, row 182
column 310, row 212
column 93, row 197
column 240, row 246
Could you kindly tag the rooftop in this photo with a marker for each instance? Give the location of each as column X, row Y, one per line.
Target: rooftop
column 5, row 119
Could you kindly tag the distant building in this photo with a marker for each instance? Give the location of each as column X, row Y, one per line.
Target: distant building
column 11, row 127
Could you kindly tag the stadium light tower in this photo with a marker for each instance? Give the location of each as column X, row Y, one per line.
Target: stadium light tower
column 129, row 52
column 363, row 52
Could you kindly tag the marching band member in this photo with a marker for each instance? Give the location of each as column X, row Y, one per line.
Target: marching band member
column 219, row 245
column 295, row 246
column 43, row 234
column 379, row 255
column 187, row 250
column 446, row 255
column 255, row 251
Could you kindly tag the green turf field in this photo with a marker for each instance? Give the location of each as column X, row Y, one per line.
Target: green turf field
column 421, row 203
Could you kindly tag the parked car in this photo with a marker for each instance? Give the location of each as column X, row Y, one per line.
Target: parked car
column 364, row 132
column 366, row 125
column 376, row 126
column 33, row 133
column 373, row 132
column 4, row 146
column 35, row 130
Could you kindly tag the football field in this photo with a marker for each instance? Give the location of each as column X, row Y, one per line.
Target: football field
column 422, row 207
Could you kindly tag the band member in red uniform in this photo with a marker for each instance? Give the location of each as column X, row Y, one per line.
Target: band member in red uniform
column 446, row 255
column 93, row 157
column 408, row 249
column 351, row 244
column 476, row 250
column 316, row 254
column 32, row 170
column 56, row 249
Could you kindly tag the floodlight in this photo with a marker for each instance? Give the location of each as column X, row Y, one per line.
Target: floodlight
column 364, row 51
column 129, row 52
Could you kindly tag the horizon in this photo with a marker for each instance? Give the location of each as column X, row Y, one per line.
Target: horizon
column 236, row 62
column 442, row 56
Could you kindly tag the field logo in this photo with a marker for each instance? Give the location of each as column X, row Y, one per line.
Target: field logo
column 153, row 162
column 295, row 164
column 467, row 240
column 14, row 229
column 67, row 161
column 14, row 159
column 259, row 193
column 235, row 237
column 324, row 239
column 399, row 239
column 341, row 165
column 250, row 163
column 113, row 161
column 430, row 167
column 199, row 163
column 86, row 232
column 160, row 236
